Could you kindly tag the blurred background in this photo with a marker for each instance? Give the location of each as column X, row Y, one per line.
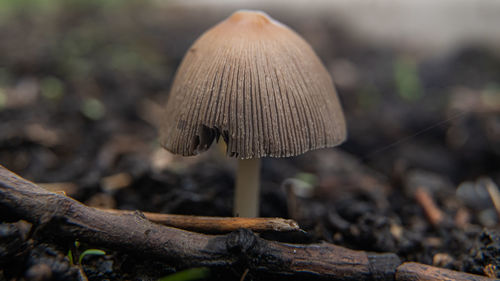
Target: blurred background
column 83, row 84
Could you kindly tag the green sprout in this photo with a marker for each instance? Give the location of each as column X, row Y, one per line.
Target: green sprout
column 309, row 178
column 93, row 108
column 52, row 88
column 406, row 77
column 95, row 252
column 188, row 274
column 70, row 257
column 3, row 99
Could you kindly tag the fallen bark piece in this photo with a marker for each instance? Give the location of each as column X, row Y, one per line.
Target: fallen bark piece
column 134, row 233
column 412, row 271
column 217, row 224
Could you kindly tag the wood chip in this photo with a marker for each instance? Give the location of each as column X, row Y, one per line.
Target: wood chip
column 116, row 181
column 66, row 188
column 431, row 210
column 490, row 270
column 442, row 260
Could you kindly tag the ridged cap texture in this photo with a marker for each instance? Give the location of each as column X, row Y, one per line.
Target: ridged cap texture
column 258, row 85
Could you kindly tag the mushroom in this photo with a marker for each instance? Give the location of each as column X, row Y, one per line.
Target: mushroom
column 257, row 84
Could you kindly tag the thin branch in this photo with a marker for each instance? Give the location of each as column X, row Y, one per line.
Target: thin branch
column 412, row 271
column 217, row 224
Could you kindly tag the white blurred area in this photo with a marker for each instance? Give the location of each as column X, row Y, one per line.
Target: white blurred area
column 427, row 27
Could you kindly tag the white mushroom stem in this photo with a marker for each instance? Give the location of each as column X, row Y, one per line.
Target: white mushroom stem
column 246, row 194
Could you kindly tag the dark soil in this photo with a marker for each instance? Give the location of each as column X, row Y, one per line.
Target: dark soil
column 82, row 86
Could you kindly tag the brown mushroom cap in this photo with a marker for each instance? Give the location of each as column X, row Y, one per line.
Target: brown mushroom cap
column 259, row 85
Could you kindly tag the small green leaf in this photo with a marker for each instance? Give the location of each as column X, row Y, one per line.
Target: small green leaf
column 70, row 257
column 3, row 98
column 188, row 274
column 52, row 88
column 309, row 178
column 93, row 108
column 407, row 78
column 95, row 252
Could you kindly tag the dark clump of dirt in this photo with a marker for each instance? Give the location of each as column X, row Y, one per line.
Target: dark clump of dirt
column 31, row 259
column 485, row 254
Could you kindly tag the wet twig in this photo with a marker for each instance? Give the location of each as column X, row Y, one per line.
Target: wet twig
column 412, row 271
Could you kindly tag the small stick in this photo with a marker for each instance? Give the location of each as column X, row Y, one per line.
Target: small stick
column 412, row 271
column 244, row 274
column 494, row 194
column 217, row 224
column 431, row 210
